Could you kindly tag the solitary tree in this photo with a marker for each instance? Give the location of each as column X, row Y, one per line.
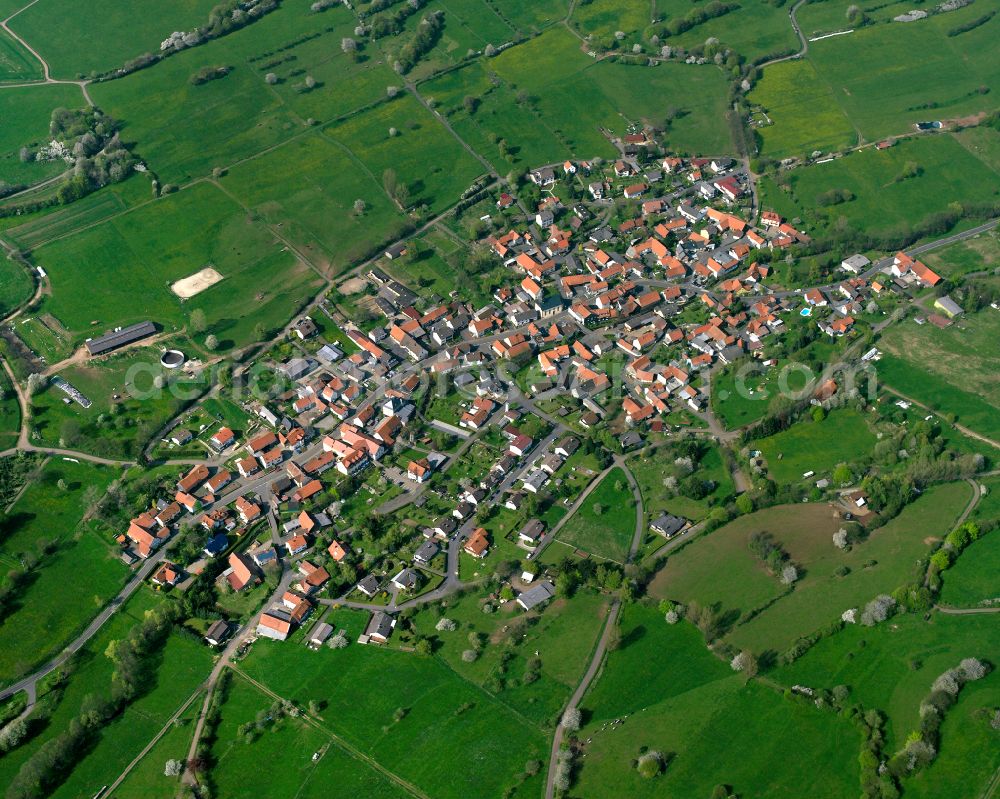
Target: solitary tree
column 198, row 321
column 359, row 207
column 211, row 342
column 173, row 768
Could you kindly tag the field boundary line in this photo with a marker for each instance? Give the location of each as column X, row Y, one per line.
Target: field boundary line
column 336, row 739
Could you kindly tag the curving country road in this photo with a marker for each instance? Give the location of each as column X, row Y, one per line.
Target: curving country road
column 609, row 625
column 47, row 77
column 28, row 683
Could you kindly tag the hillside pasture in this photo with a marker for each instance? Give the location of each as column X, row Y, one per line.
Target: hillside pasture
column 16, row 63
column 884, row 200
column 952, row 370
column 605, row 523
column 26, row 112
column 336, row 773
column 878, row 81
column 674, row 696
column 187, row 130
column 886, row 559
column 308, row 187
column 151, row 246
column 424, row 157
column 468, row 722
column 892, row 665
column 757, row 611
column 816, row 446
column 803, row 110
column 562, row 634
column 972, row 579
column 755, row 30
column 42, row 619
column 888, row 76
column 78, row 40
column 978, row 254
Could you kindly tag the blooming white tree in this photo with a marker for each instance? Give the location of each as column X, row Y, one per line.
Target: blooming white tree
column 571, row 719
column 445, row 625
column 877, row 610
column 840, row 539
column 972, row 669
column 789, row 574
column 173, row 768
column 949, row 682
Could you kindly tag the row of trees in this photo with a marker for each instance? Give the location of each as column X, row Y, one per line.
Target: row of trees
column 54, row 759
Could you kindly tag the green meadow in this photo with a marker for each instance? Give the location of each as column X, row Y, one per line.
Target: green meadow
column 185, row 130
column 757, row 611
column 45, row 524
column 884, row 199
column 16, row 63
column 891, row 666
column 605, row 522
column 363, row 687
column 293, row 742
column 148, row 248
column 78, row 40
column 26, row 112
column 972, row 578
column 877, row 81
column 674, row 696
column 809, row 446
column 951, row 370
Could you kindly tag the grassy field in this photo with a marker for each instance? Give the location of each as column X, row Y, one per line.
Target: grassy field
column 816, row 446
column 15, row 287
column 432, row 164
column 180, row 669
column 32, row 230
column 186, row 130
column 891, row 666
column 978, row 254
column 126, row 407
column 563, row 637
column 877, row 81
column 90, row 674
column 968, row 759
column 952, row 370
column 754, row 30
column 803, row 110
column 879, row 564
column 153, row 245
column 103, row 35
column 146, row 780
column 292, row 742
column 16, row 63
column 886, row 77
column 41, row 620
column 364, row 686
column 650, row 472
column 531, row 15
column 972, row 579
column 607, row 533
column 308, row 187
column 681, row 700
column 884, row 561
column 883, row 201
column 10, row 413
column 26, row 112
